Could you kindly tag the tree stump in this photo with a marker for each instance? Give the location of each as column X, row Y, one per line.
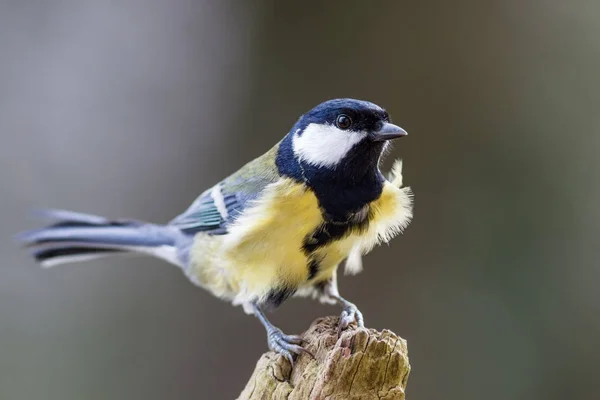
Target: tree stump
column 361, row 364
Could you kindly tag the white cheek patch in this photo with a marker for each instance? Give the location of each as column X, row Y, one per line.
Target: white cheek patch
column 325, row 145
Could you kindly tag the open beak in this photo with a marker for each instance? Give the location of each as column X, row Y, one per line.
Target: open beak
column 387, row 132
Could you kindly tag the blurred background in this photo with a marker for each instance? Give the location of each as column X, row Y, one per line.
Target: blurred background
column 131, row 109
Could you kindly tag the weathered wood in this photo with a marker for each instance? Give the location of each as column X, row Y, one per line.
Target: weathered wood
column 362, row 364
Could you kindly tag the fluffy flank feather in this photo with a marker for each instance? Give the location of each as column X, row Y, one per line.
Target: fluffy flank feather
column 354, row 263
column 395, row 176
column 393, row 213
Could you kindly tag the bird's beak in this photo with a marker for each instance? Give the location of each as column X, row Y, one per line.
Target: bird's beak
column 387, row 132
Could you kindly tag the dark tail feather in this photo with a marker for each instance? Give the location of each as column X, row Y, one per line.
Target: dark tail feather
column 79, row 237
column 61, row 255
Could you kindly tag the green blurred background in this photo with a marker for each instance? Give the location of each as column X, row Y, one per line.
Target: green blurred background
column 132, row 108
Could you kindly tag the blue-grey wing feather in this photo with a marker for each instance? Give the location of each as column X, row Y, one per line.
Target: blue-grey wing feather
column 204, row 215
column 201, row 215
column 234, row 194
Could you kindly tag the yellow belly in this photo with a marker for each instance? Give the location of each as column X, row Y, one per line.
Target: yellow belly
column 263, row 249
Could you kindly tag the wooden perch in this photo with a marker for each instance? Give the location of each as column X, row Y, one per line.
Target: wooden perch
column 361, row 364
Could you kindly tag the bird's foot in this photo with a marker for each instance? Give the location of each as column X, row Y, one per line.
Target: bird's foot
column 350, row 314
column 286, row 345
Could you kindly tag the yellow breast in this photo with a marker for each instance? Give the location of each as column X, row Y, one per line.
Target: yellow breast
column 265, row 244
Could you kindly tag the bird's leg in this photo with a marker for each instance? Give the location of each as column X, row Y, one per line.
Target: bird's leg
column 350, row 313
column 286, row 345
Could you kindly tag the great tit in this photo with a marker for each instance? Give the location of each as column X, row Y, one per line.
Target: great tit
column 277, row 227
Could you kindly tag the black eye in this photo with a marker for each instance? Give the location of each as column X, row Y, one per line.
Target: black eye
column 343, row 121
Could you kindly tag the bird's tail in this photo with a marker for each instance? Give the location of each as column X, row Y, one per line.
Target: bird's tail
column 80, row 237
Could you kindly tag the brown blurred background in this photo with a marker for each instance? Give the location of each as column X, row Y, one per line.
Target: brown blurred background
column 131, row 109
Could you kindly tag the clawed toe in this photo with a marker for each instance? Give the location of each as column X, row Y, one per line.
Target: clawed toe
column 350, row 314
column 286, row 345
column 295, row 339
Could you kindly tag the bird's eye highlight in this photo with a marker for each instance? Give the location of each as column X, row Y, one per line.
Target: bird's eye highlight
column 343, row 121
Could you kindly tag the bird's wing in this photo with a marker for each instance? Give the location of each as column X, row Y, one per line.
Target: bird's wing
column 214, row 210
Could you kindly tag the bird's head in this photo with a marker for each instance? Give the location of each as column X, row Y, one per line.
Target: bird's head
column 335, row 149
column 341, row 134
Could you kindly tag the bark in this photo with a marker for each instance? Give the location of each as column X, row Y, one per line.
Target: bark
column 361, row 364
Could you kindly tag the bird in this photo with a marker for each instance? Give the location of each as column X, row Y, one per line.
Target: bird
column 278, row 227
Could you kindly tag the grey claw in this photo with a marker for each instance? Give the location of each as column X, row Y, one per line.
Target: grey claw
column 288, row 355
